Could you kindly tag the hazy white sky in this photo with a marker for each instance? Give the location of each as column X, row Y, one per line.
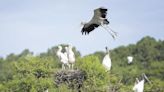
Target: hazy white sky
column 40, row 24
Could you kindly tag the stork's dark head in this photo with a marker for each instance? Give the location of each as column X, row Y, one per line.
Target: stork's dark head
column 106, row 48
column 107, row 51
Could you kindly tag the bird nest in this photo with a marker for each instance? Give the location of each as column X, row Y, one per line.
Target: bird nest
column 72, row 78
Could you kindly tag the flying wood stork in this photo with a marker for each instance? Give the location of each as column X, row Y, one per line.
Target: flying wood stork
column 107, row 60
column 62, row 57
column 99, row 19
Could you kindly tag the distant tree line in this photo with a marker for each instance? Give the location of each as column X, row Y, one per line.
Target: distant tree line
column 26, row 72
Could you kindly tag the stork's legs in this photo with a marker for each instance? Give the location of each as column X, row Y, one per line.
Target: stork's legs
column 63, row 67
column 69, row 66
column 72, row 66
column 115, row 33
column 110, row 31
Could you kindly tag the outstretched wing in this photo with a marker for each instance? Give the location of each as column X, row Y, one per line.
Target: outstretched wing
column 98, row 18
column 88, row 28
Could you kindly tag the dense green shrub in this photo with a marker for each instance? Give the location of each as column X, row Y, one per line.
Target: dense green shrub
column 30, row 74
column 97, row 79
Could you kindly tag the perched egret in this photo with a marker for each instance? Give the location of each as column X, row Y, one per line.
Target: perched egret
column 107, row 60
column 139, row 85
column 130, row 59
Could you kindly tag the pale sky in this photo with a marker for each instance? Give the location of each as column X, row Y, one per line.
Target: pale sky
column 40, row 24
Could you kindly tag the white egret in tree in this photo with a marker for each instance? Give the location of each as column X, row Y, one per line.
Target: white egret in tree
column 130, row 59
column 139, row 85
column 98, row 19
column 107, row 60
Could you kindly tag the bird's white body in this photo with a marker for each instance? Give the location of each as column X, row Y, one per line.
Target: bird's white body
column 139, row 87
column 71, row 56
column 66, row 52
column 130, row 59
column 107, row 63
column 62, row 57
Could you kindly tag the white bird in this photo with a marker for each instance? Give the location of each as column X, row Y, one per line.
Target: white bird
column 139, row 85
column 107, row 60
column 130, row 59
column 71, row 56
column 99, row 19
column 66, row 54
column 62, row 57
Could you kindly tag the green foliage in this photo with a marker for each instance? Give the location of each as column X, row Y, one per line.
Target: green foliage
column 30, row 74
column 100, row 55
column 97, row 78
column 64, row 88
column 148, row 59
column 27, row 73
column 146, row 49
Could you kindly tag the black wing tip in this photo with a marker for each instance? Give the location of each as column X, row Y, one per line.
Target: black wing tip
column 87, row 30
column 84, row 32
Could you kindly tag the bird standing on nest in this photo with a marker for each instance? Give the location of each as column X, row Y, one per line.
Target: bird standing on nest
column 71, row 56
column 62, row 57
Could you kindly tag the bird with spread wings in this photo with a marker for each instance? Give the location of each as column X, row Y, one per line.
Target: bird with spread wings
column 98, row 19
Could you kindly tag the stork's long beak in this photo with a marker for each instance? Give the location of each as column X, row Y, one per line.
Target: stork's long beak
column 145, row 77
